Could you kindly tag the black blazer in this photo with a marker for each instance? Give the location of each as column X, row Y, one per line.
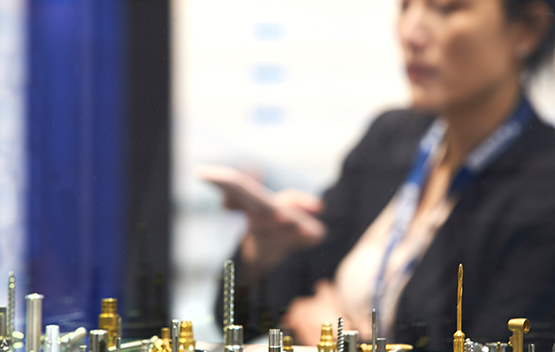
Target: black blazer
column 502, row 230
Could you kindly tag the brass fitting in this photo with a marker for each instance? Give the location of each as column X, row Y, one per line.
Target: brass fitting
column 109, row 319
column 519, row 327
column 326, row 339
column 186, row 339
column 287, row 344
column 166, row 345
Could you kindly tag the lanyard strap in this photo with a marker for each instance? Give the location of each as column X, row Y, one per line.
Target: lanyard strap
column 409, row 194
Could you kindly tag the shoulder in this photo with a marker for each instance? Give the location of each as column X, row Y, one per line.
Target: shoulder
column 394, row 131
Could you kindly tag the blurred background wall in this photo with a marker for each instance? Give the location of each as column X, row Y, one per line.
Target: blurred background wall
column 281, row 90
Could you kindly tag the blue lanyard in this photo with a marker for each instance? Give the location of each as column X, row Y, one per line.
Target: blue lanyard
column 409, row 194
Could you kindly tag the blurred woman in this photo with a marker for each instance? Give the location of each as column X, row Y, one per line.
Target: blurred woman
column 467, row 175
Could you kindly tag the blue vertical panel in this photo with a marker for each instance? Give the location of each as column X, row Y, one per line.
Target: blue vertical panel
column 76, row 122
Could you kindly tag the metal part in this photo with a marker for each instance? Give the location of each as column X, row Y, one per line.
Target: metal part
column 381, row 344
column 326, row 339
column 52, row 343
column 166, row 343
column 468, row 345
column 495, row 347
column 175, row 335
column 82, row 348
column 3, row 323
column 98, row 341
column 186, row 339
column 458, row 336
column 109, row 319
column 4, row 345
column 531, row 347
column 11, row 303
column 519, row 327
column 374, row 329
column 351, row 341
column 233, row 338
column 72, row 341
column 134, row 345
column 287, row 344
column 145, row 345
column 340, row 336
column 117, row 344
column 34, row 322
column 229, row 294
column 388, row 347
column 275, row 340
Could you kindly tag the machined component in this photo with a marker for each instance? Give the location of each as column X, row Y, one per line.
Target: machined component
column 381, row 344
column 145, row 345
column 351, row 341
column 109, row 319
column 233, row 338
column 519, row 327
column 72, row 341
column 374, row 329
column 531, row 347
column 458, row 336
column 275, row 340
column 4, row 345
column 135, row 345
column 388, row 347
column 117, row 344
column 52, row 343
column 11, row 303
column 166, row 343
column 3, row 323
column 175, row 335
column 340, row 336
column 98, row 341
column 326, row 339
column 287, row 344
column 186, row 339
column 468, row 345
column 229, row 293
column 495, row 347
column 34, row 322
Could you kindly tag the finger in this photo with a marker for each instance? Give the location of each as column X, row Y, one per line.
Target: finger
column 301, row 200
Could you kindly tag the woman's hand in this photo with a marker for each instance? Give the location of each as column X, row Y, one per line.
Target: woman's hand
column 278, row 223
column 306, row 315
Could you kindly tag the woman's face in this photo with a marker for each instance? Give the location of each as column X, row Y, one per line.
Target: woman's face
column 456, row 51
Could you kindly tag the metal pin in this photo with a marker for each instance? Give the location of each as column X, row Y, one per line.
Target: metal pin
column 229, row 293
column 175, row 335
column 34, row 322
column 531, row 347
column 145, row 345
column 275, row 340
column 351, row 341
column 117, row 344
column 468, row 345
column 98, row 341
column 52, row 338
column 340, row 336
column 381, row 344
column 374, row 332
column 233, row 339
column 3, row 323
column 11, row 303
column 73, row 340
column 133, row 345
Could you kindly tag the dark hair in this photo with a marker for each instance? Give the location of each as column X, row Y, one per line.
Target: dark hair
column 546, row 48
